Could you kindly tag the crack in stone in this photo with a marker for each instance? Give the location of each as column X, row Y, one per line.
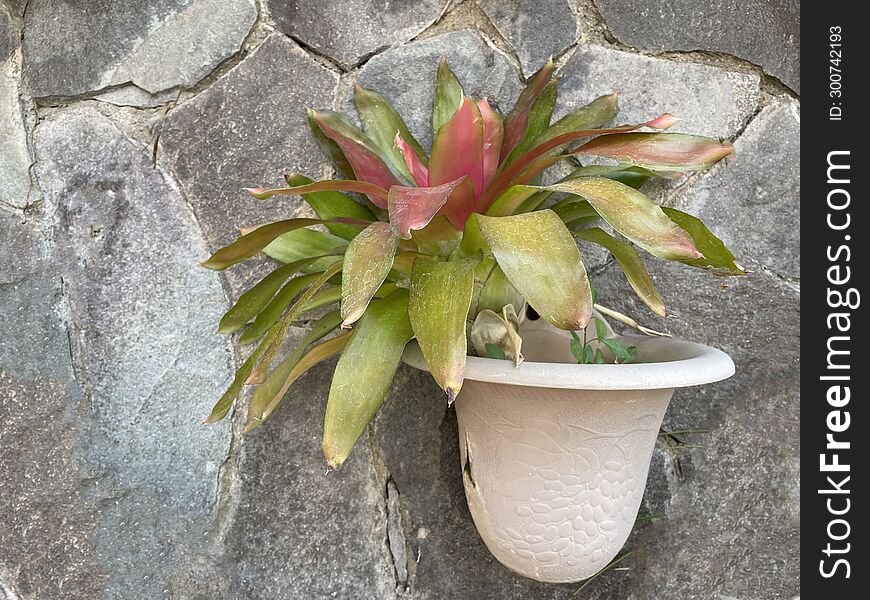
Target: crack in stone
column 322, row 59
column 396, row 544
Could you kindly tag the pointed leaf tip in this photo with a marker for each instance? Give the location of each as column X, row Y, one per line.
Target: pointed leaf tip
column 663, row 122
column 440, row 298
column 451, row 396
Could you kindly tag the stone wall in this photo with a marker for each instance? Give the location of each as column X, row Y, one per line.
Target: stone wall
column 126, row 131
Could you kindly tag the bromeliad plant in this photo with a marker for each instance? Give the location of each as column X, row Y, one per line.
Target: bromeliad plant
column 448, row 247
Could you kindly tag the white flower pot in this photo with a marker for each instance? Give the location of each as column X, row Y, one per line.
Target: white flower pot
column 555, row 455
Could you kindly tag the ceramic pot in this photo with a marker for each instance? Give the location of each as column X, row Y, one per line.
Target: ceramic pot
column 555, row 455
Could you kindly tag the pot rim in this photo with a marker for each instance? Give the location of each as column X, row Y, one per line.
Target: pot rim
column 685, row 364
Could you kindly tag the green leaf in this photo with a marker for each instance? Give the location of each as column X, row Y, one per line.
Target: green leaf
column 539, row 118
column 438, row 238
column 599, row 356
column 576, row 347
column 319, row 353
column 325, row 297
column 716, row 257
column 498, row 291
column 332, row 204
column 632, row 353
column 223, row 405
column 541, row 259
column 632, row 265
column 381, row 122
column 574, row 209
column 633, row 215
column 448, row 95
column 376, row 193
column 472, row 242
column 495, row 351
column 438, row 307
column 283, row 326
column 600, row 329
column 255, row 299
column 251, row 243
column 364, row 372
column 305, row 243
column 274, row 385
column 588, row 355
column 510, row 200
column 619, row 351
column 631, row 176
column 597, row 113
column 270, row 314
column 367, row 262
column 517, row 122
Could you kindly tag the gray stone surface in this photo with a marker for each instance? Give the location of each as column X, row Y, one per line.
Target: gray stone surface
column 535, row 29
column 154, row 46
column 246, row 130
column 759, row 185
column 406, row 76
column 352, row 30
column 765, row 32
column 118, row 273
column 17, row 187
column 709, row 100
column 299, row 532
column 9, row 34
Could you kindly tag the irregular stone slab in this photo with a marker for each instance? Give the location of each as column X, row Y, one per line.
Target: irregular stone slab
column 141, row 315
column 17, row 187
column 351, row 30
column 156, row 45
column 766, row 32
column 535, row 29
column 752, row 200
column 299, row 532
column 246, row 130
column 406, row 76
column 708, row 100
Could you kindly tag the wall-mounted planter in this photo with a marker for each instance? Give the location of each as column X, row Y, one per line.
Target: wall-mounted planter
column 555, row 455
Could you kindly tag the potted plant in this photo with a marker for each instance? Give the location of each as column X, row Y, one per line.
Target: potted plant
column 436, row 259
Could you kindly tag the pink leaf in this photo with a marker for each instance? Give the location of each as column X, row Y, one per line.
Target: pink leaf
column 378, row 194
column 419, row 171
column 493, row 133
column 460, row 204
column 659, row 151
column 412, row 208
column 458, row 148
column 360, row 152
column 517, row 121
column 506, row 177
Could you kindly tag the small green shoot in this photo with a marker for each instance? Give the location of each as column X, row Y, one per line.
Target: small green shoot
column 584, row 354
column 495, row 351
